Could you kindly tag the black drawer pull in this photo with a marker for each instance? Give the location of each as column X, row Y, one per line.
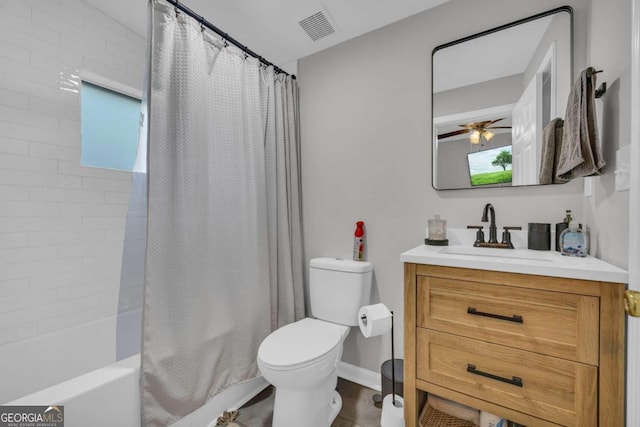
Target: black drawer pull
column 514, row 381
column 515, row 318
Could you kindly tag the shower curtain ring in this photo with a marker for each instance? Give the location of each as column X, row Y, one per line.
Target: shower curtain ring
column 224, row 40
column 202, row 24
column 244, row 49
column 175, row 7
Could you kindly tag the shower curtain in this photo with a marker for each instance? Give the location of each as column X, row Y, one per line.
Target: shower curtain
column 224, row 247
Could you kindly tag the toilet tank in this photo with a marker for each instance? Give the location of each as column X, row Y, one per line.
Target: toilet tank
column 338, row 288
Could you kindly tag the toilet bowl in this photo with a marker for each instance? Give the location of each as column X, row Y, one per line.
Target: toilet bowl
column 301, row 358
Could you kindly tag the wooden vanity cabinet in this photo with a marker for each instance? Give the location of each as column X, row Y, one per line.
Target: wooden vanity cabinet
column 537, row 350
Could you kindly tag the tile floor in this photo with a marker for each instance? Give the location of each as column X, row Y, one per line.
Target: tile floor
column 358, row 409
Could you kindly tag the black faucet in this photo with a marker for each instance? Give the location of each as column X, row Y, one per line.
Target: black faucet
column 493, row 230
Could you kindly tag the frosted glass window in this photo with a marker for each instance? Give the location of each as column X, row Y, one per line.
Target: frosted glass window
column 110, row 122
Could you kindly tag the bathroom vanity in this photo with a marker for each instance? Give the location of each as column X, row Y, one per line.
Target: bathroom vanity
column 535, row 337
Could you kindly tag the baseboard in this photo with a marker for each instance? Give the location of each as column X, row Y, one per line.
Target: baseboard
column 358, row 375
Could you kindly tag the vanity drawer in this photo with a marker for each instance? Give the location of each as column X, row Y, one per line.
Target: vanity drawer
column 546, row 387
column 553, row 323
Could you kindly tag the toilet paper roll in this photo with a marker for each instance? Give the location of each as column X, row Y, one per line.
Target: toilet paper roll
column 374, row 320
column 392, row 416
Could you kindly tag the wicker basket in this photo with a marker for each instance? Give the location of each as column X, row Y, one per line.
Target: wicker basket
column 430, row 417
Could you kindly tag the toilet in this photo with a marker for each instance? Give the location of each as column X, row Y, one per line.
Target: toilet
column 300, row 359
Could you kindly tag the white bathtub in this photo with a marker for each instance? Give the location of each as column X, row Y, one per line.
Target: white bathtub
column 76, row 367
column 45, row 360
column 109, row 397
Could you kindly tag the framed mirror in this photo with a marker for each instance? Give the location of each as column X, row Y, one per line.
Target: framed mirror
column 492, row 95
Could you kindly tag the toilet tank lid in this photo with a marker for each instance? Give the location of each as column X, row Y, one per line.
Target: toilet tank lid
column 341, row 264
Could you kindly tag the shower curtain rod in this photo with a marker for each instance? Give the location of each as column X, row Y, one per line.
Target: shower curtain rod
column 225, row 36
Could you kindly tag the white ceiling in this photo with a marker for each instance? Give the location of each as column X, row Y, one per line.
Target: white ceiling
column 270, row 27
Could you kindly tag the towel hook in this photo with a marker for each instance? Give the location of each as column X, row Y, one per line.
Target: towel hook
column 602, row 88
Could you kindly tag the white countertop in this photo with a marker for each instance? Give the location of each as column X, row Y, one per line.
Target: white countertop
column 461, row 253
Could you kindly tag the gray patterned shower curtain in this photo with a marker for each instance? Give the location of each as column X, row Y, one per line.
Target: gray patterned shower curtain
column 224, row 255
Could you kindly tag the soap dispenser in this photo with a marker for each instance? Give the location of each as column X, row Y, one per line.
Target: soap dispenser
column 561, row 226
column 573, row 241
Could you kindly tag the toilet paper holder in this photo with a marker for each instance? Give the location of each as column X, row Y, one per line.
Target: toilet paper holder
column 378, row 397
column 364, row 319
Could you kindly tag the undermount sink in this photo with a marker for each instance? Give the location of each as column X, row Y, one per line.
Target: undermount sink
column 525, row 254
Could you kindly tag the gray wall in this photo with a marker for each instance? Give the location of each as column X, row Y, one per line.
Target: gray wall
column 366, row 155
column 607, row 211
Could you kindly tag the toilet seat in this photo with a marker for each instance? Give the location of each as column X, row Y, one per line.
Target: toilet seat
column 300, row 344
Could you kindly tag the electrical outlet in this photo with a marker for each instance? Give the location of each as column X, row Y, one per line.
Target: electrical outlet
column 623, row 168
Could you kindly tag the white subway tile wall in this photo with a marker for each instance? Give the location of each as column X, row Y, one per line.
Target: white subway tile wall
column 61, row 224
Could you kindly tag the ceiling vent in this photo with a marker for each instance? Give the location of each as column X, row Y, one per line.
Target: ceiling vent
column 317, row 25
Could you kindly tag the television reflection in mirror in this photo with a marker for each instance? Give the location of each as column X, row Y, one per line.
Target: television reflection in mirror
column 490, row 167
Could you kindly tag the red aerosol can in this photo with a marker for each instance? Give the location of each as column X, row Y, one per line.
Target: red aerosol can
column 358, row 242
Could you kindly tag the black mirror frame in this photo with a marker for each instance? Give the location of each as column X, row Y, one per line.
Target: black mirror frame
column 567, row 9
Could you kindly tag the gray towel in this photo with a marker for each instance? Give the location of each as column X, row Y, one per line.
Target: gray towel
column 581, row 153
column 551, row 145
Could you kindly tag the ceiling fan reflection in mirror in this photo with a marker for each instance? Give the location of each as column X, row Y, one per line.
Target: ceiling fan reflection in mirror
column 477, row 130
